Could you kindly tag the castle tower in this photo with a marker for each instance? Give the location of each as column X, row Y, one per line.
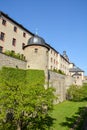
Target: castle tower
column 36, row 53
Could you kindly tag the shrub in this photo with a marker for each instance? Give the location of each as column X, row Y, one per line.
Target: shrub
column 58, row 71
column 24, row 101
column 75, row 93
column 15, row 55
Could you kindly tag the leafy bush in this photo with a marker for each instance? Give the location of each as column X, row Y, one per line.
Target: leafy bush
column 15, row 55
column 58, row 71
column 61, row 72
column 74, row 93
column 77, row 93
column 84, row 91
column 24, row 102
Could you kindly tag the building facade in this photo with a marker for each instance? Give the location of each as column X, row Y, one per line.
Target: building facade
column 13, row 36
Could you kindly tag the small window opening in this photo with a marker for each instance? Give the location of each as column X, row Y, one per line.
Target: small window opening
column 36, row 50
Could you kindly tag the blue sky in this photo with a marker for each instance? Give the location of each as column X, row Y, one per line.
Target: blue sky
column 62, row 23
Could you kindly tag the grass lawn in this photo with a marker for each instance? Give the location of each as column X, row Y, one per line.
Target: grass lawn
column 66, row 114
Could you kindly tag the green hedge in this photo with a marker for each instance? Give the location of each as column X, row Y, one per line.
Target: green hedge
column 16, row 76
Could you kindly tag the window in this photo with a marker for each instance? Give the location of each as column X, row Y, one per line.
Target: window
column 47, row 53
column 36, row 50
column 2, row 37
column 24, row 34
column 4, row 22
column 51, row 67
column 23, row 44
column 15, row 29
column 51, row 59
column 1, row 48
column 14, row 42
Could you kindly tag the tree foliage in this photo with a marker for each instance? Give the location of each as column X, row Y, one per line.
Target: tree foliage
column 24, row 102
column 77, row 93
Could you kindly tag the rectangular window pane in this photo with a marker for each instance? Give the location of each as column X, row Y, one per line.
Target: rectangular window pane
column 23, row 44
column 4, row 22
column 24, row 34
column 1, row 48
column 15, row 29
column 2, row 37
column 14, row 42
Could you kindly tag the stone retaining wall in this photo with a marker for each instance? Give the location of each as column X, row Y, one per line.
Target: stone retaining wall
column 60, row 83
column 11, row 62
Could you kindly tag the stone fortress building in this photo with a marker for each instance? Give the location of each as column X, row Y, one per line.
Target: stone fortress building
column 38, row 55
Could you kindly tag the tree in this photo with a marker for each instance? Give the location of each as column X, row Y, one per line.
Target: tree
column 24, row 104
column 75, row 93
